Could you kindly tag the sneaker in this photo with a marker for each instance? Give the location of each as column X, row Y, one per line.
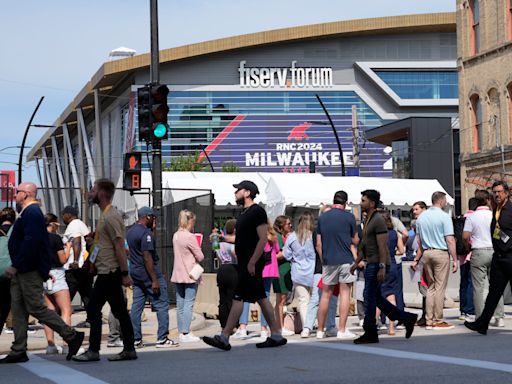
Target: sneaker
column 53, row 350
column 429, row 327
column 87, row 356
column 347, row 335
column 332, row 332
column 320, row 334
column 287, row 332
column 475, row 327
column 217, row 342
column 123, row 356
column 462, row 316
column 188, row 338
column 367, row 339
column 14, row 359
column 443, row 325
column 31, row 330
column 74, row 345
column 305, row 333
column 401, row 327
column 83, row 324
column 65, row 350
column 264, row 334
column 240, row 334
column 470, row 318
column 361, row 323
column 115, row 344
column 166, row 343
column 382, row 327
column 421, row 322
column 139, row 344
column 9, row 331
column 498, row 322
column 271, row 343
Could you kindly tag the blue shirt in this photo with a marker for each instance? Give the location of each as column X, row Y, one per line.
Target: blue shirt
column 336, row 228
column 140, row 239
column 302, row 258
column 432, row 226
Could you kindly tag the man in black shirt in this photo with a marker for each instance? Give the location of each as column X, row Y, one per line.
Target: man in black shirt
column 501, row 265
column 251, row 236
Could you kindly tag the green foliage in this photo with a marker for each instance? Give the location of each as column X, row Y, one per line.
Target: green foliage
column 185, row 163
column 230, row 167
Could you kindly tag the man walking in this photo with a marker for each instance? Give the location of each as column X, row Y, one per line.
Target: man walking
column 437, row 245
column 477, row 238
column 109, row 257
column 251, row 237
column 374, row 249
column 148, row 281
column 336, row 235
column 78, row 276
column 31, row 260
column 501, row 265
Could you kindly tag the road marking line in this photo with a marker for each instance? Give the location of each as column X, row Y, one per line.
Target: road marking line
column 58, row 373
column 411, row 355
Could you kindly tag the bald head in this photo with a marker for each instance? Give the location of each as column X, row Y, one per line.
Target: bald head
column 26, row 193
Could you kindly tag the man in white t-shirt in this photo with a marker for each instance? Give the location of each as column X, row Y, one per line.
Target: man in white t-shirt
column 77, row 274
column 477, row 237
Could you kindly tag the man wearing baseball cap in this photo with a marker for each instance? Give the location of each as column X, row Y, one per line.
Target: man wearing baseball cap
column 148, row 281
column 251, row 237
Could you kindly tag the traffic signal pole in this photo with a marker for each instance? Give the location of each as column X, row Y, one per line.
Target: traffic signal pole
column 156, row 147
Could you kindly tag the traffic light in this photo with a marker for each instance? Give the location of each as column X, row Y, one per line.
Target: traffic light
column 159, row 111
column 144, row 113
column 132, row 171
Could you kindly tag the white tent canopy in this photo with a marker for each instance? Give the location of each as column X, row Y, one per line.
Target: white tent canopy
column 277, row 190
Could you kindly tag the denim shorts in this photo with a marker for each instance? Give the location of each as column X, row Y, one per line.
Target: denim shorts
column 59, row 284
column 336, row 274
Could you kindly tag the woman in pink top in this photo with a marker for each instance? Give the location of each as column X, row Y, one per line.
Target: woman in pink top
column 186, row 254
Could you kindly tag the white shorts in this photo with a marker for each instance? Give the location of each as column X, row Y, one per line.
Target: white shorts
column 59, row 284
column 336, row 274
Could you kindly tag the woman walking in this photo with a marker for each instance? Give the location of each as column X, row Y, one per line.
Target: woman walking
column 187, row 254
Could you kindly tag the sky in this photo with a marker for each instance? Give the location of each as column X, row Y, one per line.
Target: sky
column 52, row 48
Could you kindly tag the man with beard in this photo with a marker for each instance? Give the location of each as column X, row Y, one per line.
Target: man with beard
column 148, row 281
column 251, row 237
column 374, row 250
column 109, row 257
column 31, row 260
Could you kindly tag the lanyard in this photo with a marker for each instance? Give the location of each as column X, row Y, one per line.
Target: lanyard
column 100, row 222
column 497, row 216
column 368, row 218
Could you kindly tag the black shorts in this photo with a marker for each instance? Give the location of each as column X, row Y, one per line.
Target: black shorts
column 250, row 289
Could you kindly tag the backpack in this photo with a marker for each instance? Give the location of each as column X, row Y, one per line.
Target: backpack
column 5, row 257
column 458, row 228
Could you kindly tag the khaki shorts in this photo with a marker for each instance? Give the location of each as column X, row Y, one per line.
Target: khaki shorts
column 336, row 274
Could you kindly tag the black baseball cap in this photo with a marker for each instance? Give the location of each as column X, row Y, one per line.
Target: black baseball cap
column 249, row 186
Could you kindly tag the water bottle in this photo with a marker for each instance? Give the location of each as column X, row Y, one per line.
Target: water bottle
column 215, row 241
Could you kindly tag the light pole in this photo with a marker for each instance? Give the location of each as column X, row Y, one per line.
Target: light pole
column 25, row 139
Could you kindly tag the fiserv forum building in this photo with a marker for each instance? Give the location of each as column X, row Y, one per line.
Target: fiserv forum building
column 251, row 100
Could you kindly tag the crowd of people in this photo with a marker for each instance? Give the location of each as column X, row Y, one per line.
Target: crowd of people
column 318, row 265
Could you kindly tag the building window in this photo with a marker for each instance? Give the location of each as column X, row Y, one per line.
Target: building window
column 401, row 159
column 421, row 84
column 476, row 123
column 474, row 7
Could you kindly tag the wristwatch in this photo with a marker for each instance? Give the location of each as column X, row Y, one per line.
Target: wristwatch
column 382, row 265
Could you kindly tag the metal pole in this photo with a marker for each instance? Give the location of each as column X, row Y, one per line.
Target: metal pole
column 156, row 148
column 335, row 135
column 355, row 137
column 25, row 139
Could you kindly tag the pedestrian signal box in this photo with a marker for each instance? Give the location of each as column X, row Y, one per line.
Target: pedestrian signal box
column 132, row 170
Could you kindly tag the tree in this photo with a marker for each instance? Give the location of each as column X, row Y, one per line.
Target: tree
column 185, row 163
column 230, row 167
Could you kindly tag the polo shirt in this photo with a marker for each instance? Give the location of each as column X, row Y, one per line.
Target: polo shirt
column 433, row 226
column 479, row 223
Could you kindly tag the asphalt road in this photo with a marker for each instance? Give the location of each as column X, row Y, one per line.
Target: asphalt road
column 452, row 356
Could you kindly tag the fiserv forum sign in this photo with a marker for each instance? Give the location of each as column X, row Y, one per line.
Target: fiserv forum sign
column 293, row 76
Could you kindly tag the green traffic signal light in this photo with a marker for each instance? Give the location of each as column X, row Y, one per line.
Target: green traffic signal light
column 160, row 130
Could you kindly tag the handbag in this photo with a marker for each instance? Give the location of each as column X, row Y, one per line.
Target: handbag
column 267, row 257
column 196, row 272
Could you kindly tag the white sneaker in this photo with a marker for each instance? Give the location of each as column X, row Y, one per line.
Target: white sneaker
column 305, row 333
column 53, row 350
column 320, row 334
column 470, row 318
column 115, row 344
column 287, row 332
column 240, row 334
column 264, row 334
column 332, row 332
column 166, row 343
column 499, row 322
column 345, row 335
column 8, row 331
column 189, row 338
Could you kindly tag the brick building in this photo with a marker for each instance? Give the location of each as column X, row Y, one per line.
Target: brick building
column 484, row 39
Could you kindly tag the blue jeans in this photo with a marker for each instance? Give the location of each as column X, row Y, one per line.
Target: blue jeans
column 466, row 290
column 141, row 292
column 373, row 298
column 244, row 317
column 185, row 298
column 314, row 302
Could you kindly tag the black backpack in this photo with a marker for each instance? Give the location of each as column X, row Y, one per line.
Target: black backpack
column 458, row 228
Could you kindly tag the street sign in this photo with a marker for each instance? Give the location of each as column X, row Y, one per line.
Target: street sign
column 132, row 171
